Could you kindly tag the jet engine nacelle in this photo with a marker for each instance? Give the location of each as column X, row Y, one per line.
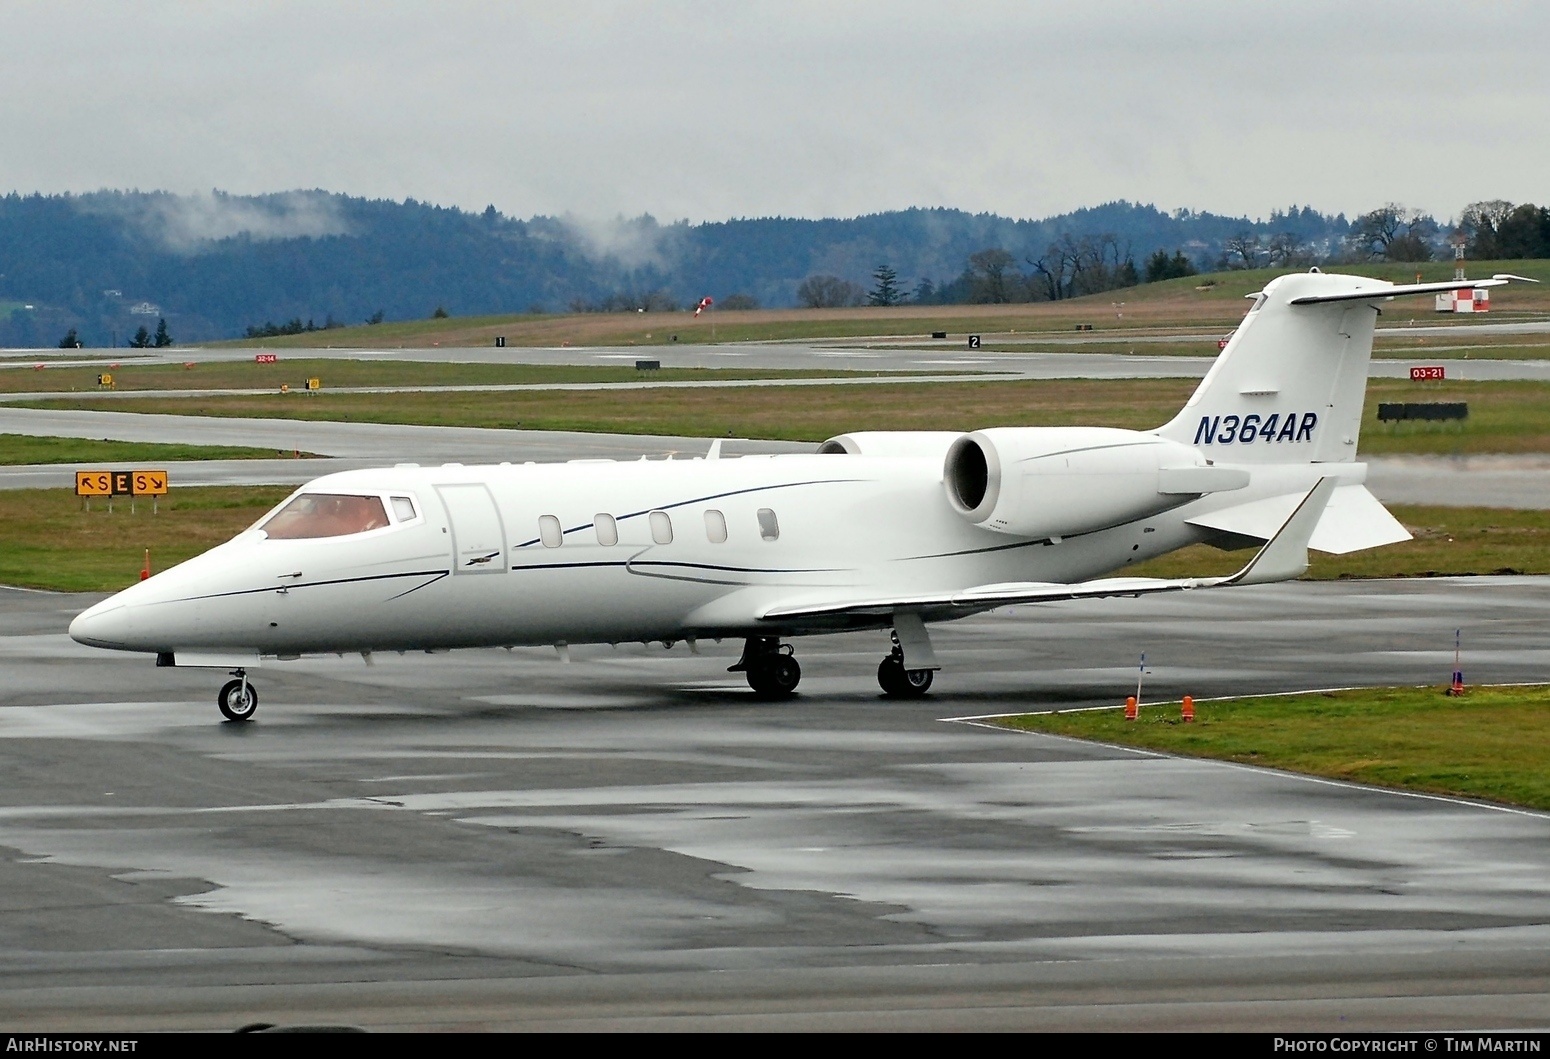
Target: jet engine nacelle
column 919, row 443
column 1060, row 481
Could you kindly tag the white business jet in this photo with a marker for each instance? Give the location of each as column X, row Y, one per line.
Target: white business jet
column 881, row 530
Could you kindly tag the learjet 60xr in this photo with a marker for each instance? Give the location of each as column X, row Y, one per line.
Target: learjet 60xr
column 883, row 530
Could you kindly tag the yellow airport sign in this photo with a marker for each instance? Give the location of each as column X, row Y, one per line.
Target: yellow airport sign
column 314, row 384
column 120, row 483
column 93, row 483
column 148, row 483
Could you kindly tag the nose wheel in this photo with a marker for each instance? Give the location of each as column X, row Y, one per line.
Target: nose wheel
column 238, row 700
column 770, row 667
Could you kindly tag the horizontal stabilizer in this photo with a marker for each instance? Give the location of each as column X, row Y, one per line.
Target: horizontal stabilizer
column 1354, row 520
column 1283, row 557
column 1396, row 290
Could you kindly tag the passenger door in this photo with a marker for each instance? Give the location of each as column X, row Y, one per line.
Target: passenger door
column 478, row 536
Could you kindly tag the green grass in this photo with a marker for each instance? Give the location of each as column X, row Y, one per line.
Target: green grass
column 22, row 449
column 238, row 375
column 809, row 413
column 49, row 540
column 1505, row 417
column 1207, row 301
column 1491, row 744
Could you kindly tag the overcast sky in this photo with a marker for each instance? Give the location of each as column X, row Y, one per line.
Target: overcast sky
column 834, row 108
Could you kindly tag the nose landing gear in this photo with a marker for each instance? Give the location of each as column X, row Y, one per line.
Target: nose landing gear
column 238, row 700
column 770, row 666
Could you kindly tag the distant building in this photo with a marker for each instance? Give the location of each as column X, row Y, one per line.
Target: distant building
column 110, row 293
column 145, row 309
column 1465, row 300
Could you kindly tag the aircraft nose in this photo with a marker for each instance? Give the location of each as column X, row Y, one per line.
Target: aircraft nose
column 105, row 625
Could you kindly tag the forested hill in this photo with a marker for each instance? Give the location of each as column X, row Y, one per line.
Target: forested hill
column 215, row 265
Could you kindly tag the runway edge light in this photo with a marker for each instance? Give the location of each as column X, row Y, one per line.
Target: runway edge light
column 1457, row 687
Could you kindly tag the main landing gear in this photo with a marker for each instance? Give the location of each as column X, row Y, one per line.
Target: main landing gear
column 771, row 669
column 238, row 700
column 902, row 678
column 900, row 683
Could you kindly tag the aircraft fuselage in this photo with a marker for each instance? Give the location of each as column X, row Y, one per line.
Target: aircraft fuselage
column 698, row 546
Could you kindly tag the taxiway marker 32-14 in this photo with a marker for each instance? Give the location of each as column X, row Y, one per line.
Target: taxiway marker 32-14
column 883, row 530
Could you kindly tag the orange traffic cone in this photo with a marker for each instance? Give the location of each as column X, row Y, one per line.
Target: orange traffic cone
column 1188, row 710
column 145, row 571
column 1131, row 709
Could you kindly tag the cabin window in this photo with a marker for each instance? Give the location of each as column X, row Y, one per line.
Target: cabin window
column 661, row 527
column 607, row 529
column 549, row 531
column 769, row 525
column 325, row 515
column 716, row 526
column 403, row 509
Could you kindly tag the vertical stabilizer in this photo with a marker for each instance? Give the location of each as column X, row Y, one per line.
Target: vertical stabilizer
column 1289, row 386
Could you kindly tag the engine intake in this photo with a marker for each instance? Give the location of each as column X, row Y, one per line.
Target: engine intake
column 1060, row 481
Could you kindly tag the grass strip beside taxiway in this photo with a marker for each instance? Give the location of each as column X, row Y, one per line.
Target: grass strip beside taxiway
column 1504, row 416
column 1491, row 743
column 20, row 449
column 339, row 372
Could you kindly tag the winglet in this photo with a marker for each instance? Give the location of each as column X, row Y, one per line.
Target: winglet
column 1285, row 555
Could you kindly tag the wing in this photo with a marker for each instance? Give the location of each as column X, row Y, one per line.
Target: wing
column 1283, row 557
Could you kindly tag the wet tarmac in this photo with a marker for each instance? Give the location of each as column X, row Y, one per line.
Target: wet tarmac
column 492, row 839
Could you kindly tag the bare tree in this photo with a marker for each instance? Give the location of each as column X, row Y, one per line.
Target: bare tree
column 1481, row 226
column 1285, row 249
column 1242, row 250
column 1071, row 266
column 990, row 269
column 1392, row 233
column 829, row 292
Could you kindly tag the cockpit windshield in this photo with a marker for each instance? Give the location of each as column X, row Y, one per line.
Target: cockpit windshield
column 325, row 515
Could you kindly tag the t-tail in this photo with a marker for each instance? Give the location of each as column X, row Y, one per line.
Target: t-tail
column 1289, row 386
column 1284, row 402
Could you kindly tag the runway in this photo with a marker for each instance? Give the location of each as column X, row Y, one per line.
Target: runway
column 1062, row 360
column 499, row 840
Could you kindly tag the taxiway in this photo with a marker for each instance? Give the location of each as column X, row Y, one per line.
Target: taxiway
column 493, row 839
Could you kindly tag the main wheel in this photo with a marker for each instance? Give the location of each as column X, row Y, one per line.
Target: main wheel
column 900, row 683
column 236, row 705
column 774, row 677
